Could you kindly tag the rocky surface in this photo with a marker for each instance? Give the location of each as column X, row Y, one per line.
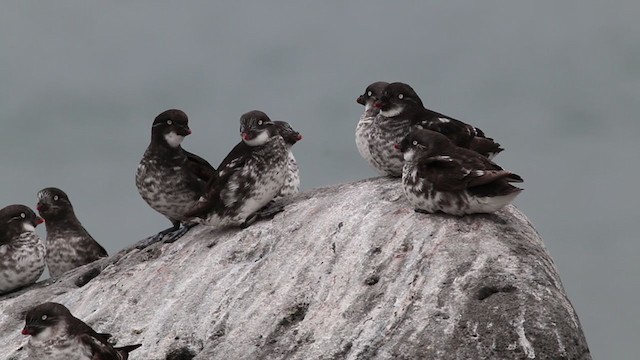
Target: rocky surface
column 345, row 272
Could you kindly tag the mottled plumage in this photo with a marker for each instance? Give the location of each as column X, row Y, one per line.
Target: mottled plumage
column 292, row 180
column 368, row 133
column 169, row 178
column 439, row 176
column 58, row 335
column 21, row 250
column 69, row 245
column 250, row 177
column 401, row 104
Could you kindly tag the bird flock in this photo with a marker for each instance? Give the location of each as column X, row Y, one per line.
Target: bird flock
column 445, row 166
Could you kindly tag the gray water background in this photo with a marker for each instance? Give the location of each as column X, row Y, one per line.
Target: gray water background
column 557, row 83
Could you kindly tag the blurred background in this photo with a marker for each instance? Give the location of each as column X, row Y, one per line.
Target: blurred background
column 556, row 83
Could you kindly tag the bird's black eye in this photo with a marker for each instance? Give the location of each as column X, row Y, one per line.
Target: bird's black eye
column 169, row 122
column 368, row 93
column 55, row 197
column 259, row 122
column 44, row 317
column 400, row 96
column 415, row 142
column 23, row 215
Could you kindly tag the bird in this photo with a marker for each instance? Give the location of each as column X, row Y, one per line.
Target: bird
column 292, row 181
column 55, row 334
column 439, row 176
column 400, row 103
column 249, row 177
column 68, row 243
column 169, row 178
column 22, row 252
column 367, row 131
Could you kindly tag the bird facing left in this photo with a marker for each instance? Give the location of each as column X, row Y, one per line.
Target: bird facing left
column 21, row 250
column 55, row 334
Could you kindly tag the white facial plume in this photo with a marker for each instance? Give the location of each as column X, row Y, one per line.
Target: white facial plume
column 261, row 139
column 394, row 111
column 408, row 155
column 174, row 140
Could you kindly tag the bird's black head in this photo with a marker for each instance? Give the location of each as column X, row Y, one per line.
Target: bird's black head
column 53, row 203
column 15, row 220
column 289, row 135
column 372, row 93
column 170, row 128
column 43, row 316
column 256, row 128
column 422, row 142
column 396, row 97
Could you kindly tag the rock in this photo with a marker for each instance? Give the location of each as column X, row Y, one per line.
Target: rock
column 345, row 272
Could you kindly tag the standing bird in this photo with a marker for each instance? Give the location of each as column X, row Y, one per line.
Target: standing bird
column 69, row 245
column 367, row 131
column 440, row 176
column 250, row 176
column 58, row 335
column 292, row 181
column 169, row 178
column 21, row 250
column 401, row 104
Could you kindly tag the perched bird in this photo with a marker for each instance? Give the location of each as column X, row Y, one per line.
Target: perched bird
column 401, row 104
column 367, row 131
column 21, row 250
column 250, row 176
column 440, row 176
column 68, row 244
column 169, row 178
column 291, row 137
column 58, row 335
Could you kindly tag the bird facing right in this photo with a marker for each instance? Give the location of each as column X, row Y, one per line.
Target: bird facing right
column 292, row 181
column 169, row 178
column 57, row 335
column 439, row 176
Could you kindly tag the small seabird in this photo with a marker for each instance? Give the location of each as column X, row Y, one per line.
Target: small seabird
column 58, row 335
column 367, row 132
column 400, row 102
column 440, row 176
column 250, row 176
column 68, row 244
column 292, row 181
column 169, row 178
column 21, row 250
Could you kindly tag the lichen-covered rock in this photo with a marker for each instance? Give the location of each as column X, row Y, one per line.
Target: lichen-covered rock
column 345, row 272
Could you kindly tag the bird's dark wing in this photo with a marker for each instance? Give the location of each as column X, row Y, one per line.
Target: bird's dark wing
column 485, row 146
column 231, row 164
column 458, row 132
column 100, row 350
column 199, row 166
column 444, row 172
column 240, row 149
column 125, row 350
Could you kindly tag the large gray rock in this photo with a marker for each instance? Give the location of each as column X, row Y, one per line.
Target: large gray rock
column 345, row 272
